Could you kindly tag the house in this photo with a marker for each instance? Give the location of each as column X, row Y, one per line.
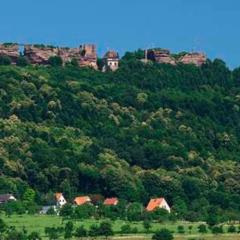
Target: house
column 4, row 198
column 45, row 209
column 111, row 61
column 82, row 200
column 60, row 200
column 110, row 201
column 156, row 203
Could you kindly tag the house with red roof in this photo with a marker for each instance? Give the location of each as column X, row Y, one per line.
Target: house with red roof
column 156, row 203
column 60, row 200
column 111, row 201
column 82, row 200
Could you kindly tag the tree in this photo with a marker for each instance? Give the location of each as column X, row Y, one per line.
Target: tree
column 66, row 210
column 22, row 61
column 217, row 229
column 81, row 232
column 53, row 233
column 34, row 236
column 232, row 229
column 147, row 225
column 181, row 229
column 105, row 229
column 5, row 60
column 55, row 61
column 163, row 234
column 202, row 228
column 16, row 235
column 126, row 229
column 68, row 230
column 93, row 231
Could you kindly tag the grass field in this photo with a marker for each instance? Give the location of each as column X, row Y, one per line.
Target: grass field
column 39, row 222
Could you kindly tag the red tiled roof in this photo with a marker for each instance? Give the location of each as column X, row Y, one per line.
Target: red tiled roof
column 154, row 203
column 111, row 201
column 58, row 195
column 82, row 200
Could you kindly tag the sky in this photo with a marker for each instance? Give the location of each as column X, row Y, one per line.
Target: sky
column 209, row 26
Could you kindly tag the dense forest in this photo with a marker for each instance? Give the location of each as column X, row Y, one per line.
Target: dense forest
column 145, row 130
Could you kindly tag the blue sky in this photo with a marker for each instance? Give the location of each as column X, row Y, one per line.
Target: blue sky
column 211, row 26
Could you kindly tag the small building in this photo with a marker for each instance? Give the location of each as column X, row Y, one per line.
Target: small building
column 60, row 200
column 111, row 61
column 82, row 200
column 156, row 203
column 4, row 198
column 111, row 201
column 46, row 209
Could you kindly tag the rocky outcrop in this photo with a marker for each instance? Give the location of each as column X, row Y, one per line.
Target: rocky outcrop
column 68, row 54
column 164, row 56
column 85, row 55
column 197, row 59
column 161, row 56
column 39, row 54
column 10, row 50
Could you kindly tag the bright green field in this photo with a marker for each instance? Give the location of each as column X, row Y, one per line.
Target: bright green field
column 39, row 222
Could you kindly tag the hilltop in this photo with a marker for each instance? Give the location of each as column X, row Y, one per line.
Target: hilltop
column 141, row 131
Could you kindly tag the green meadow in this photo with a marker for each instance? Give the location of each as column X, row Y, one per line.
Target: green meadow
column 38, row 223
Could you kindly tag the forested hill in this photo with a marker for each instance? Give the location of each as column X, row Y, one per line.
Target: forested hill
column 145, row 130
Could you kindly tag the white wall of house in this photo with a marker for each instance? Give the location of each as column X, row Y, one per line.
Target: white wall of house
column 165, row 205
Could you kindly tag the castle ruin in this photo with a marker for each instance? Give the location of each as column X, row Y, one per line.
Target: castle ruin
column 86, row 55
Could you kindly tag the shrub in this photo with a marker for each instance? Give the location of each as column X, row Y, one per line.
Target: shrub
column 163, row 234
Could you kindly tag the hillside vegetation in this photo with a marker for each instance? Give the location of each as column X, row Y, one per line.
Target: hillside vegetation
column 145, row 130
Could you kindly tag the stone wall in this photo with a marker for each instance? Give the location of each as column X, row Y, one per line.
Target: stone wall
column 10, row 50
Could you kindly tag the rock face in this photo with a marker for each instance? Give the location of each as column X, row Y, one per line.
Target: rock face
column 85, row 55
column 68, row 54
column 39, row 54
column 11, row 51
column 161, row 56
column 164, row 56
column 193, row 58
column 111, row 61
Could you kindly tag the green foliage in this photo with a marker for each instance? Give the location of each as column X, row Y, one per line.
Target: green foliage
column 232, row 229
column 55, row 61
column 22, row 61
column 202, row 228
column 68, row 230
column 147, row 130
column 105, row 229
column 181, row 229
column 217, row 229
column 5, row 60
column 163, row 234
column 81, row 232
